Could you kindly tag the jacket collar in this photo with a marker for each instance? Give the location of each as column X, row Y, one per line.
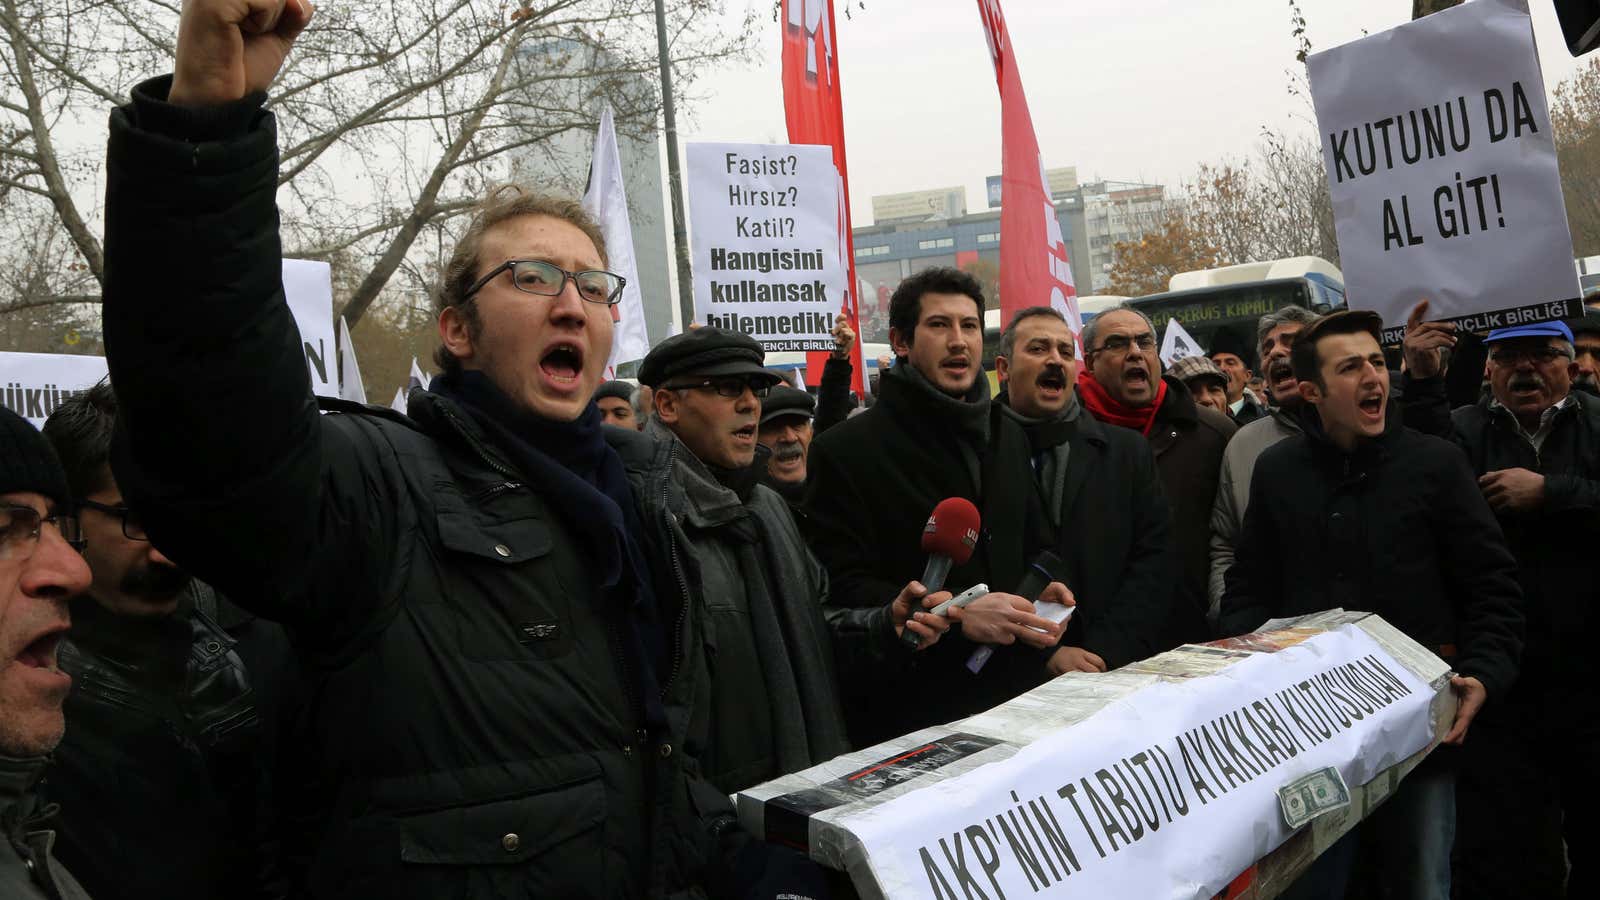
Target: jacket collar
column 709, row 502
column 17, row 780
column 907, row 394
column 1179, row 406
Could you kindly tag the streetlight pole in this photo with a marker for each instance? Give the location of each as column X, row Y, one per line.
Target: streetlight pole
column 680, row 237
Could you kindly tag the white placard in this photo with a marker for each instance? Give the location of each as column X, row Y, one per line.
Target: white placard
column 607, row 200
column 308, row 286
column 1178, row 343
column 766, row 242
column 32, row 385
column 1442, row 169
column 1170, row 792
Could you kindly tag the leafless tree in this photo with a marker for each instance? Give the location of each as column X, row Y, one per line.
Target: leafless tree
column 393, row 115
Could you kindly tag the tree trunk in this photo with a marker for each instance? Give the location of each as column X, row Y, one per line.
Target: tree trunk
column 1420, row 8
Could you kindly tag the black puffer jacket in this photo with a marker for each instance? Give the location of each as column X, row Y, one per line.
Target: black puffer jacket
column 1556, row 546
column 470, row 706
column 1396, row 528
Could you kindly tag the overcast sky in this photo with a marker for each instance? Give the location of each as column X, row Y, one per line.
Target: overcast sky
column 1123, row 89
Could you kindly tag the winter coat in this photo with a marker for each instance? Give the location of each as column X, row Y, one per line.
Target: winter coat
column 478, row 727
column 1557, row 547
column 1113, row 534
column 873, row 481
column 770, row 703
column 163, row 750
column 1188, row 440
column 28, row 870
column 1397, row 527
column 833, row 394
column 1233, row 493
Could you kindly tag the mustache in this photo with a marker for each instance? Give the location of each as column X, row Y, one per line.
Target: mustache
column 1279, row 368
column 155, row 580
column 1529, row 382
column 783, row 451
column 1052, row 376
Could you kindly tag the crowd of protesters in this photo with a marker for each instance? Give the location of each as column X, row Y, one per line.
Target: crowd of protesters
column 526, row 638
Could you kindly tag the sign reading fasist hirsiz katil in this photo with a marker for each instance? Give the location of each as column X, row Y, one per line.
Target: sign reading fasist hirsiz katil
column 766, row 243
column 1442, row 169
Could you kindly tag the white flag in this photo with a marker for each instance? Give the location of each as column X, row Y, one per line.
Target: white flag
column 350, row 386
column 398, row 404
column 800, row 377
column 607, row 201
column 418, row 379
column 1178, row 343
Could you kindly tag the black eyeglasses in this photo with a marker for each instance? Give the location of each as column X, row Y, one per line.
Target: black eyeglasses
column 1510, row 356
column 730, row 386
column 535, row 276
column 20, row 526
column 1119, row 343
column 132, row 525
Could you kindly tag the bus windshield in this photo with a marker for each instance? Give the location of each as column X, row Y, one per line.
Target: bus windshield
column 1208, row 311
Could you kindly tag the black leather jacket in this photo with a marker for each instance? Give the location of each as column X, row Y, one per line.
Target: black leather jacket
column 162, row 755
column 27, row 869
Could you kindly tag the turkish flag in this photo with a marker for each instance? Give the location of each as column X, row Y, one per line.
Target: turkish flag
column 1034, row 269
column 815, row 111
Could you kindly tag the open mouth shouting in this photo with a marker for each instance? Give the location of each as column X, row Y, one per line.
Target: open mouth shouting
column 38, row 657
column 1280, row 376
column 1052, row 383
column 1135, row 376
column 745, row 435
column 1371, row 406
column 562, row 366
column 1526, row 386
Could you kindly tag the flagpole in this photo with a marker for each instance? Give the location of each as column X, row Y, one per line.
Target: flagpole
column 680, row 238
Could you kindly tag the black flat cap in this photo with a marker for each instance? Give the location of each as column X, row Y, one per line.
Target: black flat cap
column 618, row 389
column 704, row 352
column 787, row 401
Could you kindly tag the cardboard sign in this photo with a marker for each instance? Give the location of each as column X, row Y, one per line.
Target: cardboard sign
column 32, row 385
column 766, row 243
column 308, row 286
column 1442, row 169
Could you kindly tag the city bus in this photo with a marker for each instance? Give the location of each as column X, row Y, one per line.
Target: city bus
column 1232, row 298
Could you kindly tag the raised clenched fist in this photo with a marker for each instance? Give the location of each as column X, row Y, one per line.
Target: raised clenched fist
column 230, row 48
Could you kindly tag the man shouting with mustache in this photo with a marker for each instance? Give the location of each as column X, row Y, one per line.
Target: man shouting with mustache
column 1122, row 384
column 1101, row 493
column 1534, row 444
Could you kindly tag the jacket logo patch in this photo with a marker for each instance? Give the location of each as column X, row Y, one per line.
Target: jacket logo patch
column 537, row 631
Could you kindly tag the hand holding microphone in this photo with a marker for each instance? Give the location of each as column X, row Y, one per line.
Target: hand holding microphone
column 949, row 539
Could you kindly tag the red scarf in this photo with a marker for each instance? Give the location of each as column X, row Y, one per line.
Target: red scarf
column 1111, row 411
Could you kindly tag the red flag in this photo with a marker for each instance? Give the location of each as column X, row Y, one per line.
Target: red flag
column 1034, row 270
column 815, row 110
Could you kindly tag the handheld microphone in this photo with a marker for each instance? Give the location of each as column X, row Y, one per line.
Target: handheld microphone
column 1040, row 573
column 949, row 539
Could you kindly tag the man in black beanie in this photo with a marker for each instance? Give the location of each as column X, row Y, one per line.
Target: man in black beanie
column 615, row 399
column 1231, row 352
column 40, row 570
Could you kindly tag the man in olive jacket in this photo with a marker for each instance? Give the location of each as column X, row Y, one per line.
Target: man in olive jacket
column 501, row 655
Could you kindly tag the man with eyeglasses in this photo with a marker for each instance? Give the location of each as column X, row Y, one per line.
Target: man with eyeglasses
column 1121, row 383
column 39, row 571
column 501, row 658
column 1534, row 444
column 170, row 707
column 774, row 704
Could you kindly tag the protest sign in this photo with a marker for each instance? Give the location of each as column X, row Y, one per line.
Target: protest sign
column 32, row 385
column 1165, row 778
column 766, row 245
column 308, row 286
column 1442, row 170
column 1178, row 343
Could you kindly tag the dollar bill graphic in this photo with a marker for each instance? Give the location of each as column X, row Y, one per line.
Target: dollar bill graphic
column 1311, row 795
